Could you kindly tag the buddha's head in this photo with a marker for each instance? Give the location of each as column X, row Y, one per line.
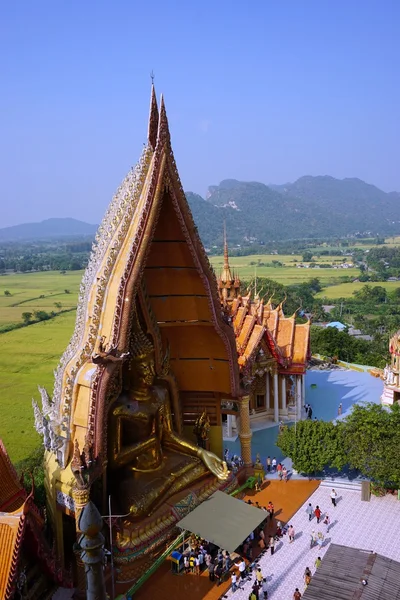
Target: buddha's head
column 142, row 363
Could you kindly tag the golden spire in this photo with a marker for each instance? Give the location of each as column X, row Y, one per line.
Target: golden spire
column 163, row 135
column 226, row 275
column 153, row 117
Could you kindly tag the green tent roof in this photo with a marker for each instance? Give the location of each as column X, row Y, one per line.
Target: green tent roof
column 223, row 520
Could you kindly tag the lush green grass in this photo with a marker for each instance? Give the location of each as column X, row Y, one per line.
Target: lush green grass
column 285, row 275
column 25, row 289
column 28, row 357
column 345, row 290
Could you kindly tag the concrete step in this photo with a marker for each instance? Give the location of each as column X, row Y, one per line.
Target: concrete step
column 342, row 484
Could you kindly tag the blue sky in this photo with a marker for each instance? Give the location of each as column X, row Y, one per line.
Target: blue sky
column 262, row 90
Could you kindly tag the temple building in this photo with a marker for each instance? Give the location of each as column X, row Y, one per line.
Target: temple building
column 391, row 373
column 136, row 414
column 273, row 351
column 28, row 564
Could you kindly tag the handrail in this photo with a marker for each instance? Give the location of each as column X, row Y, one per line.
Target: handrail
column 164, row 555
column 153, row 568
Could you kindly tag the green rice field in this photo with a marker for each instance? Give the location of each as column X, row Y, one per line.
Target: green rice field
column 346, row 290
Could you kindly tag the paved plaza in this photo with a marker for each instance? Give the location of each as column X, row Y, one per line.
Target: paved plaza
column 367, row 525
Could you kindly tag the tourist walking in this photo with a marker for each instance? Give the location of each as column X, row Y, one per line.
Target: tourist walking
column 317, row 513
column 309, row 511
column 272, row 544
column 307, row 576
column 273, row 464
column 279, row 471
column 333, row 497
column 211, row 571
column 327, row 523
column 296, row 595
column 197, row 566
column 317, row 562
column 268, row 464
column 264, row 588
column 186, row 564
column 339, row 412
column 218, row 573
column 259, row 576
column 234, row 581
column 320, row 539
column 270, row 509
column 242, row 569
column 313, row 539
column 254, row 590
column 291, row 534
column 284, row 474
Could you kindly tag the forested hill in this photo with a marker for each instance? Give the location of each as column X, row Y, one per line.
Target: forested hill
column 310, row 207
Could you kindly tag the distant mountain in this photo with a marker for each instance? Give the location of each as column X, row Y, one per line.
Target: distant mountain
column 50, row 228
column 309, row 207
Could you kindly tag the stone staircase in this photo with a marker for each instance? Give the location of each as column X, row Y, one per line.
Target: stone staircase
column 342, row 484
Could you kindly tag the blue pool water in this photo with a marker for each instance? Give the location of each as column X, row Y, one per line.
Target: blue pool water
column 331, row 389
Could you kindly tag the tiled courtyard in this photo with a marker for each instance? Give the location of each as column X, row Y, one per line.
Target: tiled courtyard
column 367, row 525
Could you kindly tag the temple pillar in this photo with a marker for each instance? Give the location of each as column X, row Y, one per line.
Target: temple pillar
column 245, row 433
column 283, row 385
column 303, row 389
column 267, row 391
column 276, row 398
column 228, row 426
column 298, row 396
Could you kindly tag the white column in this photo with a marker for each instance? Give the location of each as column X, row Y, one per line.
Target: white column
column 228, row 426
column 276, row 398
column 283, row 383
column 298, row 395
column 267, row 391
column 303, row 389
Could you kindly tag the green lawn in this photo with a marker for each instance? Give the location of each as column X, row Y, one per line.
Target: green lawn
column 345, row 290
column 25, row 289
column 28, row 357
column 285, row 275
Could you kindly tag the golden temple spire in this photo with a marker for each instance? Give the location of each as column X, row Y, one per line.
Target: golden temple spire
column 153, row 118
column 163, row 135
column 226, row 271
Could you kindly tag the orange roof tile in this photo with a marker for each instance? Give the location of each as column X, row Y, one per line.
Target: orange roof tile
column 11, row 533
column 301, row 343
column 12, row 494
column 254, row 341
column 284, row 336
column 244, row 335
column 238, row 320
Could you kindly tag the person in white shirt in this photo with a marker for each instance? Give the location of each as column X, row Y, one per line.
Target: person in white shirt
column 273, row 464
column 242, row 569
column 333, row 497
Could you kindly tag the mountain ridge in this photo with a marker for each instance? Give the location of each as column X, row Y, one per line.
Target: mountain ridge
column 255, row 213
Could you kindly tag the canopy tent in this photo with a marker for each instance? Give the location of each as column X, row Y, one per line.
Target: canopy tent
column 223, row 520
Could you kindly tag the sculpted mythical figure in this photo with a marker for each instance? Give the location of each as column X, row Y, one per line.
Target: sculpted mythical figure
column 149, row 459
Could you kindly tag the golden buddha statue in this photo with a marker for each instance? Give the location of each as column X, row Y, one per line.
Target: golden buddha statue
column 149, row 460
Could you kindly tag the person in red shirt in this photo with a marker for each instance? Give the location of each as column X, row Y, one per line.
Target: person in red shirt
column 279, row 471
column 317, row 513
column 270, row 509
column 296, row 595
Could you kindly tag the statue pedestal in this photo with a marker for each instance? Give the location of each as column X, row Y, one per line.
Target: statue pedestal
column 259, row 473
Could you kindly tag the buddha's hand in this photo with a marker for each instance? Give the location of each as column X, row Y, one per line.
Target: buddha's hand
column 214, row 464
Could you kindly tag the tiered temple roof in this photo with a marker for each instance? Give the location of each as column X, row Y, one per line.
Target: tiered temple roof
column 258, row 325
column 12, row 522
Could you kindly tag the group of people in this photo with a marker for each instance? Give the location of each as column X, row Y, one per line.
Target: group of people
column 234, row 462
column 274, row 467
column 202, row 555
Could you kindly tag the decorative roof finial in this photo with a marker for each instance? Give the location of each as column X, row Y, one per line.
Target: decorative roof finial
column 163, row 135
column 153, row 116
column 226, row 275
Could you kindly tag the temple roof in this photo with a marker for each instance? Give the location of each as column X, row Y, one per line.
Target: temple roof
column 147, row 251
column 12, row 493
column 12, row 520
column 255, row 321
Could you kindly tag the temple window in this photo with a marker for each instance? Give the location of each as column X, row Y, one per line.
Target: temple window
column 260, row 400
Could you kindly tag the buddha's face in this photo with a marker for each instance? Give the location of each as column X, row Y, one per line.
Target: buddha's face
column 144, row 370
